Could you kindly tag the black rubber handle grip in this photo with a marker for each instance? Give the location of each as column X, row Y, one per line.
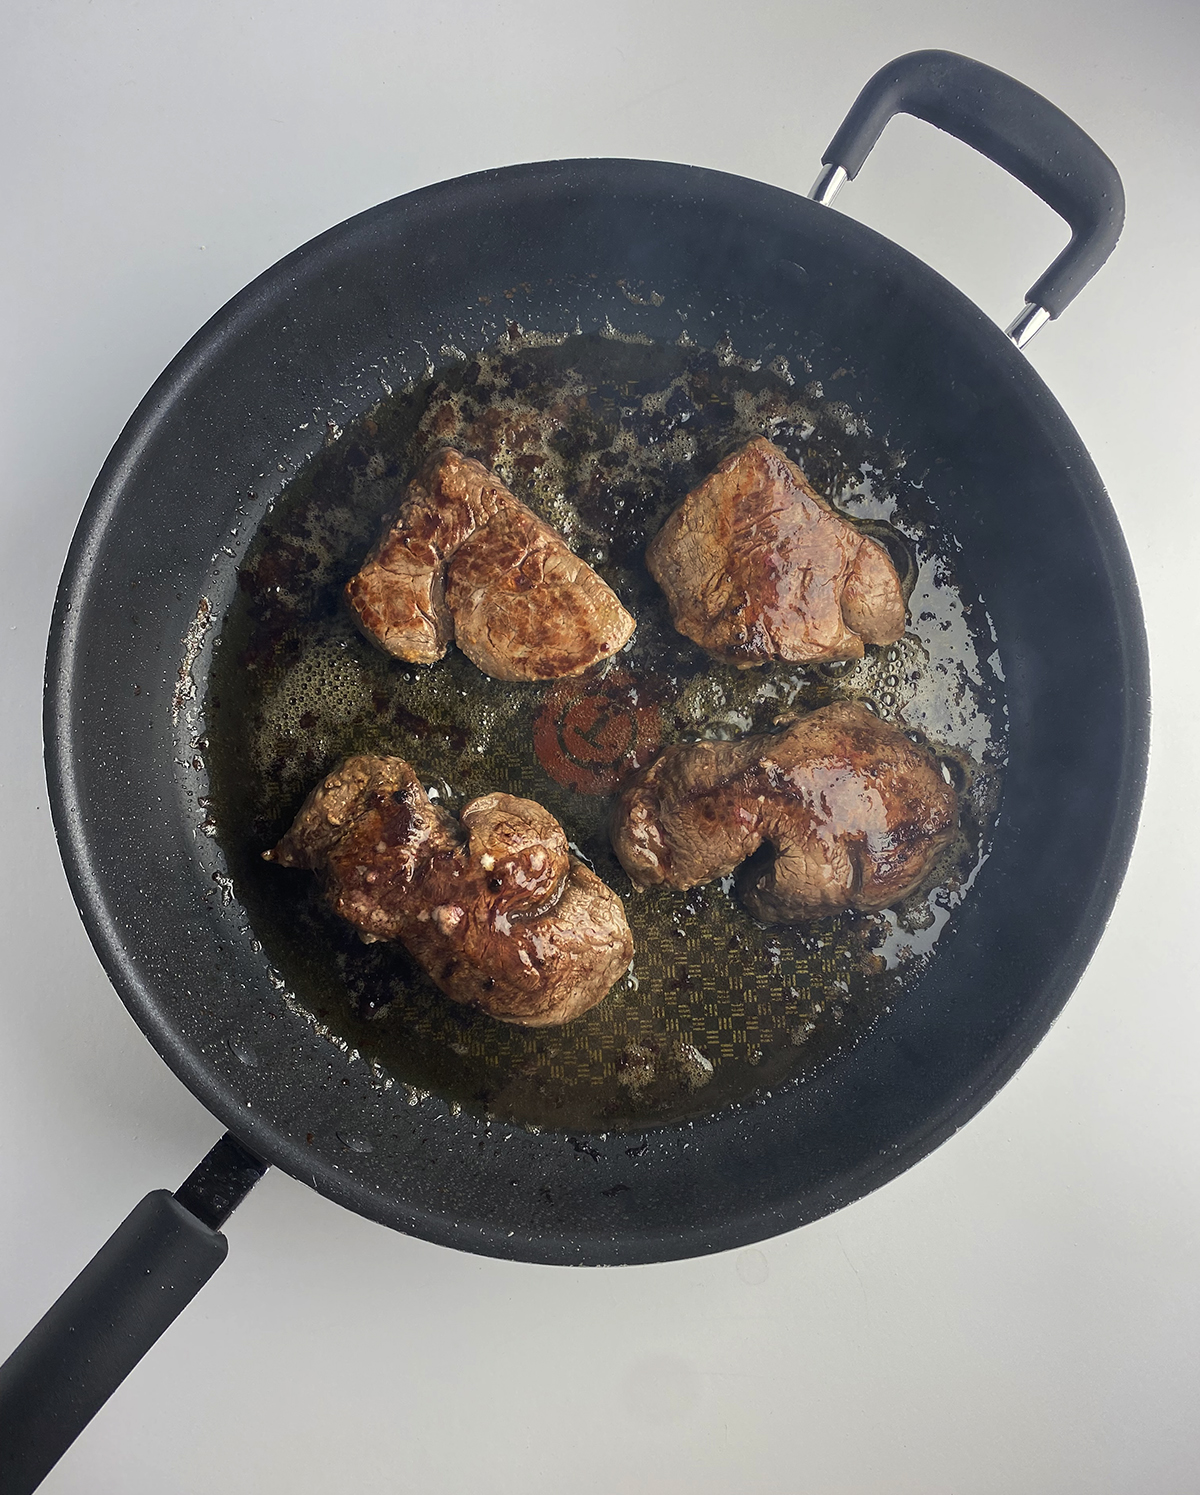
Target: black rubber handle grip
column 69, row 1364
column 1019, row 130
column 145, row 1275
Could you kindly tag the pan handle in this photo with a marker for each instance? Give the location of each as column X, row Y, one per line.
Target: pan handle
column 1019, row 130
column 142, row 1278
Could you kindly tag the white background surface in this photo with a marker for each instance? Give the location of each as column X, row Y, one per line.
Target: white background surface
column 1019, row 1311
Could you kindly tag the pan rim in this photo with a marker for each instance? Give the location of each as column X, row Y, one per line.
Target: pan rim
column 87, row 883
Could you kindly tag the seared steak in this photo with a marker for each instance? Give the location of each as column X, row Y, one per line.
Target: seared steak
column 493, row 906
column 757, row 566
column 855, row 811
column 465, row 560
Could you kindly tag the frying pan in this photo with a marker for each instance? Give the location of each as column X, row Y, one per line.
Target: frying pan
column 645, row 248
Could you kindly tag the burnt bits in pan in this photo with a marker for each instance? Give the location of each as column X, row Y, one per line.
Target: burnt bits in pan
column 602, row 438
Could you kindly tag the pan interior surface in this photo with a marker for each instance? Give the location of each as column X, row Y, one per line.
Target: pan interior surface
column 650, row 251
column 602, row 436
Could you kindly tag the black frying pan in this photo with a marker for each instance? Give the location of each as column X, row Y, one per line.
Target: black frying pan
column 558, row 246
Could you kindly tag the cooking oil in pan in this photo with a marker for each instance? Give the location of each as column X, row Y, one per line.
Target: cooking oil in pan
column 603, row 438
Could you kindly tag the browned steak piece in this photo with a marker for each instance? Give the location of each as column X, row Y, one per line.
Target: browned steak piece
column 463, row 559
column 398, row 596
column 527, row 608
column 855, row 811
column 757, row 566
column 494, row 907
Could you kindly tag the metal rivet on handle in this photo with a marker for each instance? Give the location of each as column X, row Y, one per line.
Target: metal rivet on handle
column 828, row 184
column 1031, row 320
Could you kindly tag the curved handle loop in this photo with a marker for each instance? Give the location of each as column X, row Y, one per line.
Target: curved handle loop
column 1019, row 130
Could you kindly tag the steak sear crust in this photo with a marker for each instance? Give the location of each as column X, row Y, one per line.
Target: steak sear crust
column 855, row 811
column 464, row 560
column 492, row 905
column 756, row 566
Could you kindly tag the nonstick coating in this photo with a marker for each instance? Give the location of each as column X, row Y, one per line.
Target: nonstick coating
column 650, row 250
